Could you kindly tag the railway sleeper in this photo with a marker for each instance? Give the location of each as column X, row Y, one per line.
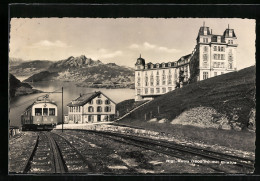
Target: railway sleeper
column 41, row 169
column 78, row 167
column 34, row 163
column 42, row 154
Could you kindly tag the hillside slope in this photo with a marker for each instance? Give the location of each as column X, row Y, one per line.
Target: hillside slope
column 232, row 95
column 28, row 68
column 17, row 88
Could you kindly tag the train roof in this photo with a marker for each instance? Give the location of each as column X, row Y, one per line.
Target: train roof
column 41, row 101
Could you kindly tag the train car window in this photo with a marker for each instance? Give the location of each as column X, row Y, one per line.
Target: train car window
column 38, row 111
column 45, row 111
column 52, row 111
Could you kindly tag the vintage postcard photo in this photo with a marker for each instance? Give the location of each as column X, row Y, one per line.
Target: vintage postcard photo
column 130, row 96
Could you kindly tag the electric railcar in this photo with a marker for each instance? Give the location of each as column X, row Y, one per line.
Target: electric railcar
column 42, row 114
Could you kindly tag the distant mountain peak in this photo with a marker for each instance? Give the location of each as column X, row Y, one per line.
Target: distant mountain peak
column 75, row 62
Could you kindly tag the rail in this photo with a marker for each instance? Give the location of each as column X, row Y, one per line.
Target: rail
column 45, row 157
column 176, row 150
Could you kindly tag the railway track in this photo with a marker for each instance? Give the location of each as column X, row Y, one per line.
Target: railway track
column 54, row 154
column 220, row 161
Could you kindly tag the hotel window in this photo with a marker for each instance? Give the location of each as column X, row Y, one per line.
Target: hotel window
column 99, row 101
column 151, row 80
column 228, row 41
column 219, row 39
column 231, row 41
column 38, row 111
column 205, row 49
column 205, row 75
column 222, row 49
column 205, row 57
column 218, row 56
column 169, row 64
column 152, row 90
column 205, row 40
column 157, row 80
column 170, row 80
column 99, row 109
column 215, row 48
column 164, row 90
column 169, row 89
column 146, row 90
column 215, row 73
column 157, row 65
column 138, row 91
column 230, row 58
column 157, row 90
column 157, row 73
column 215, row 56
column 90, row 109
column 230, row 66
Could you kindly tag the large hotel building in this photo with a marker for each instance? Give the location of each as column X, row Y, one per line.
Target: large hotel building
column 213, row 55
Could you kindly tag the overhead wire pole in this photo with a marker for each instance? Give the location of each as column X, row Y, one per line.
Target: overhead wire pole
column 62, row 108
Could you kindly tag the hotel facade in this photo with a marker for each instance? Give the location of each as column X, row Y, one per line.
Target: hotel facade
column 213, row 55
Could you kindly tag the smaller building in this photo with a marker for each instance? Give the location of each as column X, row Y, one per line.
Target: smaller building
column 183, row 70
column 91, row 107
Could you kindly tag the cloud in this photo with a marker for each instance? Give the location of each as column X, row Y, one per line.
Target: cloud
column 168, row 50
column 111, row 55
column 134, row 46
column 149, row 46
column 49, row 44
column 102, row 50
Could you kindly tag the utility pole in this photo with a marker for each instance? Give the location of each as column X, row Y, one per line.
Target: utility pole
column 62, row 107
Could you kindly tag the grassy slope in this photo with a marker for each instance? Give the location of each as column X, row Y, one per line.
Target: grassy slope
column 230, row 94
column 224, row 93
column 127, row 105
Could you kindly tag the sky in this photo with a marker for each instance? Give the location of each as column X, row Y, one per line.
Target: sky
column 122, row 40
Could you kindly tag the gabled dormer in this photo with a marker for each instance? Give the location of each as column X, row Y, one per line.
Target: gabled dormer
column 140, row 63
